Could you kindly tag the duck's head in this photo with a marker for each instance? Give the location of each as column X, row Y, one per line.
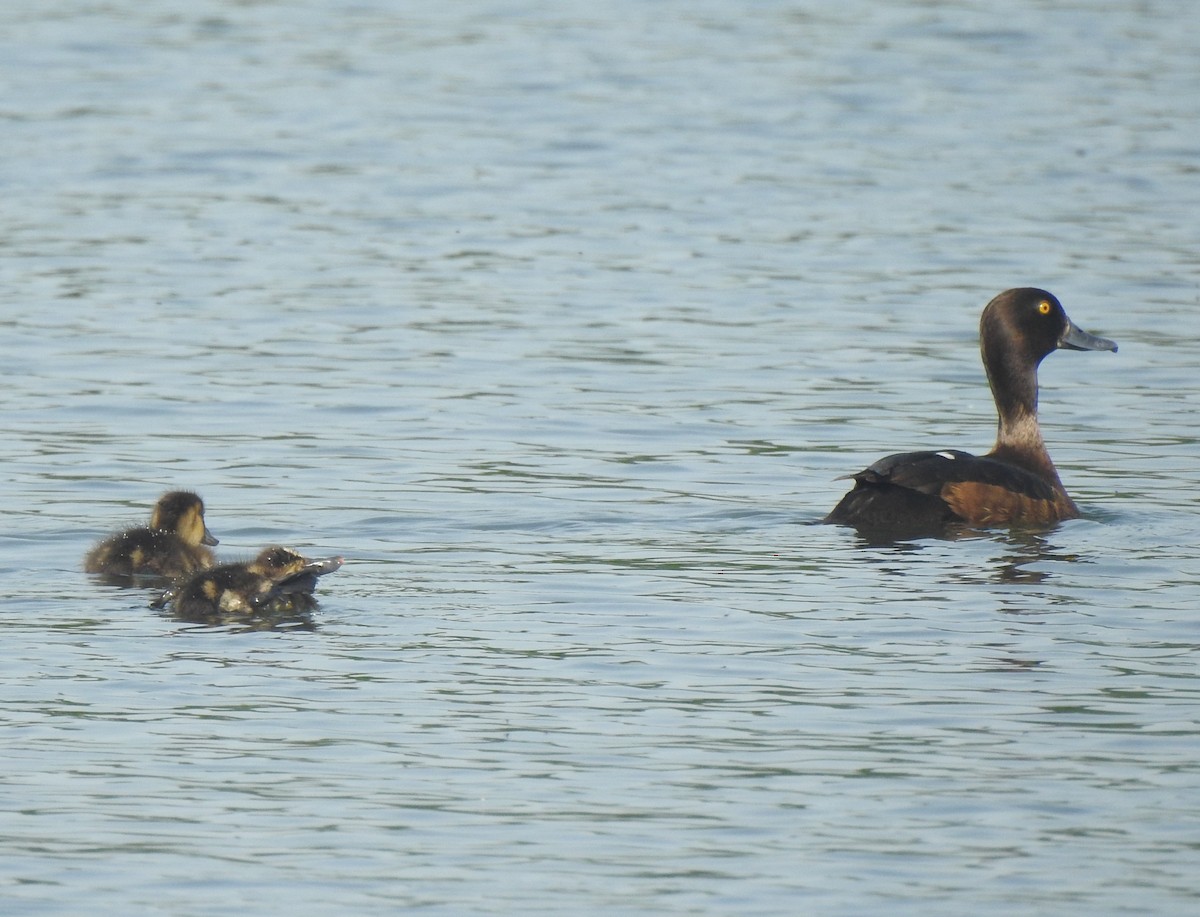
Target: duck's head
column 182, row 512
column 1024, row 325
column 1018, row 329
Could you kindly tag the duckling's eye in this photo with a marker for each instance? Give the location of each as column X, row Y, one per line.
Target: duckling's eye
column 1044, row 307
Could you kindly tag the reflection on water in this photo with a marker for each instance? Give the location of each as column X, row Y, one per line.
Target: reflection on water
column 560, row 326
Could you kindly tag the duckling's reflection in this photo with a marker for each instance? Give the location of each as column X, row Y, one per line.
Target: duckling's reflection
column 274, row 622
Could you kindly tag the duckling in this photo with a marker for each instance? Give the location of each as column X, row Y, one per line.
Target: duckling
column 278, row 581
column 173, row 545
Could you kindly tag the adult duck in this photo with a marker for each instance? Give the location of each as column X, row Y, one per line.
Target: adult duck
column 1015, row 483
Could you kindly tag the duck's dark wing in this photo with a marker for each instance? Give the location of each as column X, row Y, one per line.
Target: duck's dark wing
column 927, row 490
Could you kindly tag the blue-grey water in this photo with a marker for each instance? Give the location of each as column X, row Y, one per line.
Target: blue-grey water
column 559, row 320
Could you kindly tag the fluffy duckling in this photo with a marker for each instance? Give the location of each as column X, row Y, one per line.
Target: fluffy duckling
column 173, row 545
column 278, row 581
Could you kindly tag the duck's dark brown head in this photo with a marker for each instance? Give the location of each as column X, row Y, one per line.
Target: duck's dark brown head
column 1021, row 327
column 1018, row 329
column 182, row 512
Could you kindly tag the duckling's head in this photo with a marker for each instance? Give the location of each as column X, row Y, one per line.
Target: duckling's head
column 182, row 512
column 284, row 566
column 277, row 562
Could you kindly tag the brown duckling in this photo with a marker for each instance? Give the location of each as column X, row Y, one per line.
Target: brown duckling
column 1015, row 483
column 173, row 545
column 278, row 581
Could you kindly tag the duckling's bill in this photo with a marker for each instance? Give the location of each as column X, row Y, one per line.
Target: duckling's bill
column 324, row 565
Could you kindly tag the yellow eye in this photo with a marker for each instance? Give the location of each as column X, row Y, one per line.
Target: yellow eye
column 1044, row 307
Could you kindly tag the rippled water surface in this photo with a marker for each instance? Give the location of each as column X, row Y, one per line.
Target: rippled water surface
column 559, row 321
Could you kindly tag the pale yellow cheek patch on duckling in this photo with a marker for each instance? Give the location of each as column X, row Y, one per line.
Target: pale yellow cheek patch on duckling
column 191, row 527
column 233, row 603
column 137, row 557
column 987, row 504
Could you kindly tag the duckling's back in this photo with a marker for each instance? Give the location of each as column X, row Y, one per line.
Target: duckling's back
column 147, row 552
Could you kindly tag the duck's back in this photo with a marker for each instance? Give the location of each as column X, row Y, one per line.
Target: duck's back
column 928, row 490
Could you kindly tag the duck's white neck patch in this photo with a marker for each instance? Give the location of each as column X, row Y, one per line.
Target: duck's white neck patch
column 947, row 455
column 1022, row 432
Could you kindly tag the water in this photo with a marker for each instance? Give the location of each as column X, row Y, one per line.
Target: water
column 559, row 321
